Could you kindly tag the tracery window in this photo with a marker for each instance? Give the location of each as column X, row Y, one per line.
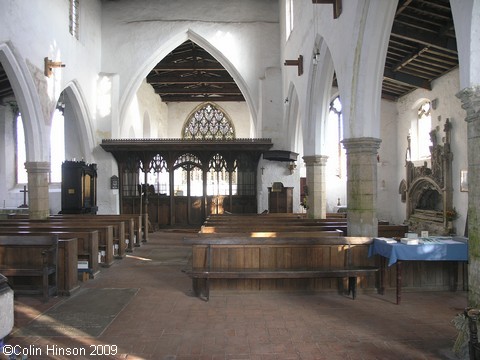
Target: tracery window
column 208, row 122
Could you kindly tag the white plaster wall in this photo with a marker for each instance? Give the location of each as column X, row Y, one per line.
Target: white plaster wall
column 238, row 113
column 449, row 106
column 146, row 106
column 387, row 180
column 243, row 35
column 277, row 171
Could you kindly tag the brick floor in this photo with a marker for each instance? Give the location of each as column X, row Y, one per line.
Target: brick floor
column 165, row 321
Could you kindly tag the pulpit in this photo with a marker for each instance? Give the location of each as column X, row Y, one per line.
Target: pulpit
column 79, row 187
column 280, row 199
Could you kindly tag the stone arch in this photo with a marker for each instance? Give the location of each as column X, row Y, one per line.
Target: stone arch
column 83, row 119
column 36, row 132
column 292, row 117
column 319, row 96
column 143, row 70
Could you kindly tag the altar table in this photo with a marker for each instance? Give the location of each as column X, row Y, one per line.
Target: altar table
column 440, row 248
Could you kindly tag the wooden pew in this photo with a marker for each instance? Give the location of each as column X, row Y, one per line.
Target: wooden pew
column 140, row 223
column 105, row 233
column 67, row 279
column 246, row 263
column 272, row 234
column 87, row 244
column 119, row 244
column 133, row 225
column 32, row 258
column 265, row 228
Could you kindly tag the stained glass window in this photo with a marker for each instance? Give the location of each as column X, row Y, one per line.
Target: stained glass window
column 208, row 122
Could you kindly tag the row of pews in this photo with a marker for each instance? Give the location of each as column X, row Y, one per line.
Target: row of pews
column 80, row 246
column 282, row 251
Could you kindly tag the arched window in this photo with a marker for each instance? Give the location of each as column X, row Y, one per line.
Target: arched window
column 208, row 122
column 57, row 146
column 423, row 128
column 336, row 167
column 334, row 136
column 21, row 154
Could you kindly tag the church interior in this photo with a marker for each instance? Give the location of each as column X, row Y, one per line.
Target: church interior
column 219, row 156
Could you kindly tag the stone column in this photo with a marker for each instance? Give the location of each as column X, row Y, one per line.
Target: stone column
column 38, row 189
column 362, row 186
column 316, row 199
column 470, row 98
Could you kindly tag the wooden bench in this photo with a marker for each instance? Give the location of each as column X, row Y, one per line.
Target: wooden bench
column 247, row 258
column 87, row 244
column 133, row 225
column 105, row 233
column 32, row 260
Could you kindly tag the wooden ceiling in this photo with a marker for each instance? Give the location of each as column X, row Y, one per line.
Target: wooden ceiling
column 189, row 73
column 422, row 48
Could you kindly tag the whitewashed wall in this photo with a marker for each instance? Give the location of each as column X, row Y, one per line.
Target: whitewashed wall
column 243, row 36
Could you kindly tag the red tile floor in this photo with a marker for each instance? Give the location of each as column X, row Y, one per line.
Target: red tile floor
column 165, row 321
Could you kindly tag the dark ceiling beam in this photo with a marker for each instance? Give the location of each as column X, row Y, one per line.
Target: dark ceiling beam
column 193, row 55
column 182, row 98
column 435, row 40
column 177, row 78
column 409, row 58
column 233, row 90
column 189, row 66
column 402, row 5
column 337, row 6
column 407, row 79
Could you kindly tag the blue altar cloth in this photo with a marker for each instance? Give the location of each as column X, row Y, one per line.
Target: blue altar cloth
column 428, row 249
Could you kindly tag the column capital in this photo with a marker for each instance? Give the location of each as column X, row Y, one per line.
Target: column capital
column 361, row 145
column 470, row 98
column 37, row 166
column 315, row 159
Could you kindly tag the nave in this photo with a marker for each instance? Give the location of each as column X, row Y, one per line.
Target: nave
column 156, row 316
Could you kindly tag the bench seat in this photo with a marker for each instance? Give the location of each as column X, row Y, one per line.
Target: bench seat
column 204, row 291
column 30, row 257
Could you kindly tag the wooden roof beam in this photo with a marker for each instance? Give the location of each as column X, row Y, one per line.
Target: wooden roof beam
column 337, row 6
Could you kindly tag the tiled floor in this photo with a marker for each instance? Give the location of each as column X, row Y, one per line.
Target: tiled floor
column 165, row 321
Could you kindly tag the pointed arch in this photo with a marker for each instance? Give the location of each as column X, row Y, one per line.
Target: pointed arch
column 319, row 97
column 292, row 117
column 176, row 40
column 36, row 133
column 82, row 118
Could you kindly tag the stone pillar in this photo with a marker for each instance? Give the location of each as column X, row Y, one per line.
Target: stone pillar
column 38, row 203
column 316, row 199
column 470, row 98
column 362, row 185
